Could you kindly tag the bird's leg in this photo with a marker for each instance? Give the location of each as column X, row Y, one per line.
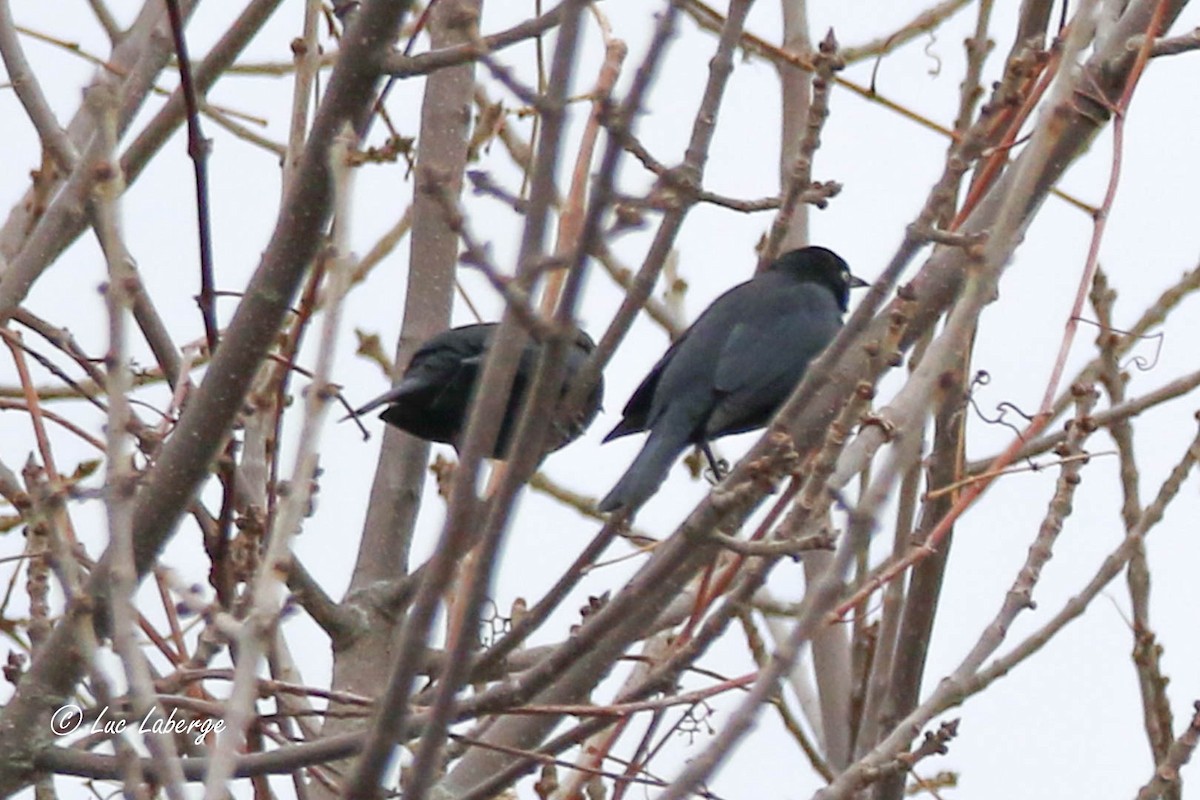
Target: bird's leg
column 718, row 468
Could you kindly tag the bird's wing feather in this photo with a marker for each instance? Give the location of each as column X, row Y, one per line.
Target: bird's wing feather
column 635, row 416
column 764, row 358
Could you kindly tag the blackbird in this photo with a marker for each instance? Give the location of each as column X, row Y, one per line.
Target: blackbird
column 734, row 367
column 433, row 397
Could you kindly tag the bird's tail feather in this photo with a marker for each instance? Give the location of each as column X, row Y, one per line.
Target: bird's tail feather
column 404, row 387
column 647, row 471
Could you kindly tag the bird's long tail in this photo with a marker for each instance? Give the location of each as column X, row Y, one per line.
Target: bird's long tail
column 648, row 470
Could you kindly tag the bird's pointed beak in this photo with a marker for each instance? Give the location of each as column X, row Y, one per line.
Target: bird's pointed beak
column 857, row 282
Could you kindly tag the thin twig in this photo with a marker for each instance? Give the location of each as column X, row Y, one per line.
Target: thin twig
column 198, row 150
column 923, row 22
column 25, row 84
column 826, row 62
column 403, row 66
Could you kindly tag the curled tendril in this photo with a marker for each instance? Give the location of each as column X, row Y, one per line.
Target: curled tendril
column 983, row 378
column 1140, row 363
column 936, row 69
column 1004, row 406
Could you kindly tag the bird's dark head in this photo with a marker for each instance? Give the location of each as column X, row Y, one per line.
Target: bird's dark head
column 819, row 265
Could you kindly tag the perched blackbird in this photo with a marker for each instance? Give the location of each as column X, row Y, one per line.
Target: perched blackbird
column 433, row 397
column 733, row 368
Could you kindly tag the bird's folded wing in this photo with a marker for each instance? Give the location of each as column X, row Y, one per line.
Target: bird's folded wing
column 759, row 366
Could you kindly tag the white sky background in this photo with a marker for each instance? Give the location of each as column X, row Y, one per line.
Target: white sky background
column 1067, row 723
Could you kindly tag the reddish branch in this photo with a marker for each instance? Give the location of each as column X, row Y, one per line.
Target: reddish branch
column 1043, row 417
